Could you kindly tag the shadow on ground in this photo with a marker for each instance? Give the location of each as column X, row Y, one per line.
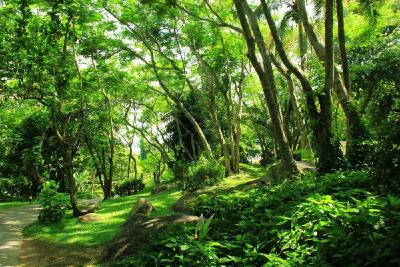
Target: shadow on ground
column 42, row 253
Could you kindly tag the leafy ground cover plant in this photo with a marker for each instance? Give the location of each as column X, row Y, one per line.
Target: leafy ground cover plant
column 340, row 219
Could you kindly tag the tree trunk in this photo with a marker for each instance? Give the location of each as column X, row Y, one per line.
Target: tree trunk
column 356, row 131
column 303, row 47
column 321, row 123
column 342, row 44
column 129, row 162
column 108, row 178
column 224, row 145
column 328, row 153
column 36, row 178
column 266, row 77
column 69, row 175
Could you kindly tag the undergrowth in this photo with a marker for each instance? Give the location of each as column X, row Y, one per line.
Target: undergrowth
column 340, row 219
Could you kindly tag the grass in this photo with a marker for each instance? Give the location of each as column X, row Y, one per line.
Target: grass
column 114, row 213
column 14, row 204
column 306, row 154
column 111, row 217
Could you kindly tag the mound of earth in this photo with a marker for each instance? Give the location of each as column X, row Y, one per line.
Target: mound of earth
column 162, row 188
column 137, row 232
column 184, row 203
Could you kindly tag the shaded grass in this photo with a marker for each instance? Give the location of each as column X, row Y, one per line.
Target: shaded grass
column 306, row 154
column 14, row 204
column 114, row 213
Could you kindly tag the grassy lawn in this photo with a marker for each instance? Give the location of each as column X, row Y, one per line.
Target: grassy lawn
column 14, row 204
column 114, row 213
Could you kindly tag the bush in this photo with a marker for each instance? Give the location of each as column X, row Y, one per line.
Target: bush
column 53, row 204
column 11, row 188
column 175, row 247
column 130, row 187
column 201, row 173
column 339, row 219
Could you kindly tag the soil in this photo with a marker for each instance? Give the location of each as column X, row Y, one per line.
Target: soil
column 43, row 253
column 12, row 221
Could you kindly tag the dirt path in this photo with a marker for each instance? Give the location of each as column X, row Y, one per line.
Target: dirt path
column 12, row 221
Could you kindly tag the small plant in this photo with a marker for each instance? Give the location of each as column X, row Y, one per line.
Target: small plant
column 202, row 227
column 54, row 204
column 130, row 187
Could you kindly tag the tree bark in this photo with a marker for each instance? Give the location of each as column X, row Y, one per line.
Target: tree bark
column 217, row 125
column 356, row 131
column 265, row 74
column 342, row 44
column 69, row 175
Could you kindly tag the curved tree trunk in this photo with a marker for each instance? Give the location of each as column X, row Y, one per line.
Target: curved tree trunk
column 265, row 74
column 321, row 122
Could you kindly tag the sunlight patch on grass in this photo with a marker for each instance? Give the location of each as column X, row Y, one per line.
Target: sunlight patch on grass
column 114, row 213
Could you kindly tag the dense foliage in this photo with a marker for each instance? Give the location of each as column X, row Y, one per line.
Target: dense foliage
column 199, row 174
column 53, row 204
column 130, row 187
column 111, row 98
column 334, row 220
column 14, row 188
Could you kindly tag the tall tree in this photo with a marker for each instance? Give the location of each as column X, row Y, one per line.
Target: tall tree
column 253, row 36
column 321, row 121
column 356, row 131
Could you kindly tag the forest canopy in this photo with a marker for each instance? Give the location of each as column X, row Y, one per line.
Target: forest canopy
column 106, row 98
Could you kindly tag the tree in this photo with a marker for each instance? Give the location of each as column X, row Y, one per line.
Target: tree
column 264, row 70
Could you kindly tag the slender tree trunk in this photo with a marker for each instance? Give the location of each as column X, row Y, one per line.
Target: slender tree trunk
column 328, row 153
column 356, row 131
column 224, row 145
column 342, row 44
column 69, row 175
column 303, row 46
column 36, row 178
column 108, row 178
column 321, row 122
column 237, row 131
column 129, row 163
column 135, row 170
column 231, row 131
column 265, row 74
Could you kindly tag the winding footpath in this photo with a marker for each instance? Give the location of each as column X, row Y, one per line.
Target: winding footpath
column 12, row 221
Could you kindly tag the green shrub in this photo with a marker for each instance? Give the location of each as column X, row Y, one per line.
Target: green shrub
column 11, row 188
column 130, row 187
column 176, row 247
column 54, row 204
column 201, row 173
column 339, row 219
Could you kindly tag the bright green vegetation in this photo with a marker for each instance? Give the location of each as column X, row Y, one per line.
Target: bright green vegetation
column 13, row 204
column 114, row 213
column 279, row 117
column 310, row 221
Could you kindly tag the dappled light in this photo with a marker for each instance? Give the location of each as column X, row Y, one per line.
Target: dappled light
column 199, row 133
